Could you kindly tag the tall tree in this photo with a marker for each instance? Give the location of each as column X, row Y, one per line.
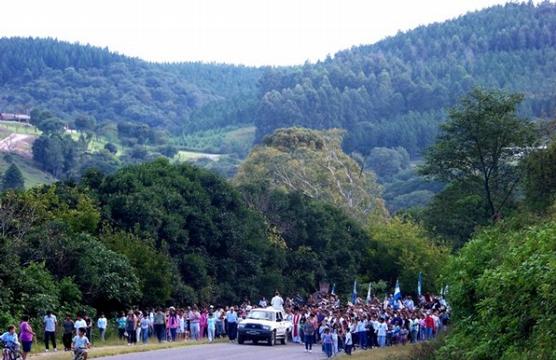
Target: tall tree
column 313, row 163
column 12, row 179
column 480, row 144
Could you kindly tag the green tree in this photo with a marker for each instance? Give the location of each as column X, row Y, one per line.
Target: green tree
column 540, row 179
column 388, row 162
column 478, row 145
column 399, row 250
column 13, row 179
column 313, row 163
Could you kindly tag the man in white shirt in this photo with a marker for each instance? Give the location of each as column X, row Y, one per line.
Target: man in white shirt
column 277, row 302
column 80, row 323
column 102, row 322
column 50, row 323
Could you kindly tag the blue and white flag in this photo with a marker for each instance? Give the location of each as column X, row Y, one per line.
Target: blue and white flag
column 333, row 292
column 419, row 284
column 354, row 293
column 369, row 294
column 397, row 292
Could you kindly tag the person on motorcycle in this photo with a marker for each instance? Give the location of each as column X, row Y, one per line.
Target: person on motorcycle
column 80, row 344
column 9, row 340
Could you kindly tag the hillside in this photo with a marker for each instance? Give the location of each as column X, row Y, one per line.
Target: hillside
column 395, row 92
column 72, row 80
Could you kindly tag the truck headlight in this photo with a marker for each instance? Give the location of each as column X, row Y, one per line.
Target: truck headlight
column 266, row 327
column 241, row 326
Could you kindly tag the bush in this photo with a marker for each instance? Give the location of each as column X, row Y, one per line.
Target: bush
column 501, row 287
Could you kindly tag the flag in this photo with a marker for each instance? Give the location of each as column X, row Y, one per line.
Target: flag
column 397, row 292
column 369, row 294
column 354, row 293
column 333, row 292
column 419, row 284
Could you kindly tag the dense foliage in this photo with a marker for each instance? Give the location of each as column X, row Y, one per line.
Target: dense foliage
column 393, row 93
column 502, row 292
column 477, row 154
column 73, row 80
column 12, row 179
column 313, row 163
column 540, row 180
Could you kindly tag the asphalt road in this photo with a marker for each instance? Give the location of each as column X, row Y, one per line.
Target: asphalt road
column 228, row 352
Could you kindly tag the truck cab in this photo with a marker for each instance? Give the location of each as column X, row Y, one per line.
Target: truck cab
column 268, row 325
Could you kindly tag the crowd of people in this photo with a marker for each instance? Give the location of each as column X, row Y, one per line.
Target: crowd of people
column 320, row 319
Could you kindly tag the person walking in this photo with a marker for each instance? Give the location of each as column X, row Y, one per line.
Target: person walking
column 195, row 324
column 145, row 328
column 26, row 334
column 121, row 326
column 50, row 323
column 68, row 326
column 203, row 322
column 159, row 324
column 308, row 331
column 232, row 319
column 381, row 331
column 102, row 323
column 348, row 342
column 327, row 342
column 173, row 323
column 89, row 327
column 131, row 329
column 211, row 327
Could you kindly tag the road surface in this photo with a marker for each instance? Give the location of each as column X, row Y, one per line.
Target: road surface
column 227, row 352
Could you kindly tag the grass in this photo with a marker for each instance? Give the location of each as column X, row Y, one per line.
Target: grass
column 192, row 155
column 4, row 132
column 16, row 127
column 387, row 353
column 111, row 348
column 32, row 175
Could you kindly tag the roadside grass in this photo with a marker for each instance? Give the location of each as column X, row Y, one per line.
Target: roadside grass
column 386, row 353
column 115, row 347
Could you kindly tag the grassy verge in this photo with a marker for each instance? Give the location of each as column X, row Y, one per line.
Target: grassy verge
column 111, row 350
column 387, row 353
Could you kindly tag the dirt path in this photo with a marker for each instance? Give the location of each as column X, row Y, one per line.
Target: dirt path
column 15, row 143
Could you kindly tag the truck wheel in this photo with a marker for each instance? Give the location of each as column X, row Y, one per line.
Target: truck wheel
column 240, row 339
column 285, row 339
column 272, row 339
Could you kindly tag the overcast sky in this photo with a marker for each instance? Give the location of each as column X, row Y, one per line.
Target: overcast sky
column 253, row 32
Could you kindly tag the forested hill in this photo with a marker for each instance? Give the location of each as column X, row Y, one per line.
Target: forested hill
column 395, row 92
column 392, row 93
column 72, row 80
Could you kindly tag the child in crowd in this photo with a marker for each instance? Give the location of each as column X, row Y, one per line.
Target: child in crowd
column 327, row 342
column 81, row 343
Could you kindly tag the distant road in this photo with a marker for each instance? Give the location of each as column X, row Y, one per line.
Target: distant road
column 227, row 352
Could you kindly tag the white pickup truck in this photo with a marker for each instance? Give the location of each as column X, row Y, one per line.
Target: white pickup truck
column 267, row 324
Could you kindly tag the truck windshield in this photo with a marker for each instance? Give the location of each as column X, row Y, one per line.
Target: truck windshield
column 260, row 315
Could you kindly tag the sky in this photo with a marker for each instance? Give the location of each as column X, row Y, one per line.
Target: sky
column 250, row 32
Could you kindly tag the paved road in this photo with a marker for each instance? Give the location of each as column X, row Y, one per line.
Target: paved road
column 227, row 352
